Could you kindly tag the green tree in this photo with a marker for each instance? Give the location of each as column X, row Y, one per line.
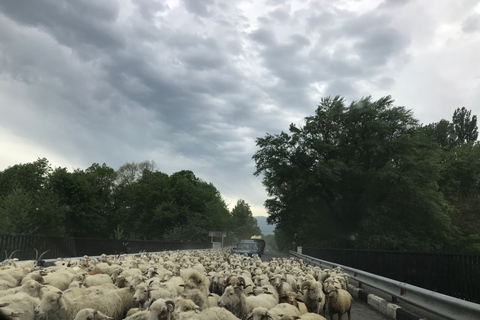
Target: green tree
column 465, row 126
column 27, row 203
column 14, row 211
column 460, row 183
column 244, row 224
column 132, row 171
column 323, row 178
column 87, row 198
column 441, row 132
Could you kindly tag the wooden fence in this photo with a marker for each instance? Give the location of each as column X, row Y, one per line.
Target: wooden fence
column 456, row 275
column 76, row 247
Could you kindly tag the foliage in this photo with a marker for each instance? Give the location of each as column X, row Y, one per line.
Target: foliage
column 101, row 202
column 365, row 175
column 243, row 223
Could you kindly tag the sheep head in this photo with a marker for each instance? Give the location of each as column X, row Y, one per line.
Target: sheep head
column 306, row 284
column 259, row 313
column 90, row 314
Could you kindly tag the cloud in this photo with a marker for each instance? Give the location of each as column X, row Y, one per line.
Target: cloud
column 192, row 84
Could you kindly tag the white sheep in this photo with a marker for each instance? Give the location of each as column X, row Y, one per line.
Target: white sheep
column 306, row 316
column 197, row 296
column 214, row 313
column 235, row 300
column 339, row 302
column 90, row 314
column 97, row 279
column 55, row 306
column 175, row 282
column 143, row 293
column 7, row 281
column 21, row 302
column 293, row 299
column 60, row 279
column 212, row 300
column 314, row 297
column 282, row 309
column 31, row 287
column 280, row 284
column 184, row 305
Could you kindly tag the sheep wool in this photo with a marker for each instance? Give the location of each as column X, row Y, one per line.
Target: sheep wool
column 339, row 302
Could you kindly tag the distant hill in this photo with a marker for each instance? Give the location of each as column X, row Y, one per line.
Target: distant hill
column 264, row 227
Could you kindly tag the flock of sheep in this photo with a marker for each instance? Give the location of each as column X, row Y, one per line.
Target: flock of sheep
column 171, row 285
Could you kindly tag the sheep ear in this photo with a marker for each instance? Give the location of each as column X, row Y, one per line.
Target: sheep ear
column 63, row 304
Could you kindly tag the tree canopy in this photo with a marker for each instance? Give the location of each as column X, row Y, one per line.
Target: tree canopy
column 134, row 202
column 368, row 175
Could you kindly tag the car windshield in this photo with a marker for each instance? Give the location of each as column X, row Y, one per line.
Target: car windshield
column 247, row 246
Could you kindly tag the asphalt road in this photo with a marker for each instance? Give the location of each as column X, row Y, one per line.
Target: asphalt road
column 360, row 310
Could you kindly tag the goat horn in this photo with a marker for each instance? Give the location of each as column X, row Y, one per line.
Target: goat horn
column 11, row 254
column 43, row 253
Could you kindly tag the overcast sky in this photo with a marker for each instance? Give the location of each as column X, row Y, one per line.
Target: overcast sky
column 191, row 84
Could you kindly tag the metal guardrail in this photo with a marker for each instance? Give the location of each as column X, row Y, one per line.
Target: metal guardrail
column 434, row 302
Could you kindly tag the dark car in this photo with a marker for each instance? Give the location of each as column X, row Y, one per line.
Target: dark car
column 260, row 243
column 249, row 247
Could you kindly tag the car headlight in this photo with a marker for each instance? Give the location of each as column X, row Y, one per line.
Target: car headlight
column 255, row 255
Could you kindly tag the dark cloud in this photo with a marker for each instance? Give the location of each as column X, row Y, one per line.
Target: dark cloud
column 189, row 85
column 200, row 8
column 88, row 26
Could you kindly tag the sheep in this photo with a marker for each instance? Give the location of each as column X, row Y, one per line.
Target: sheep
column 195, row 279
column 212, row 300
column 144, row 293
column 104, row 287
column 214, row 313
column 275, row 313
column 198, row 296
column 292, row 281
column 176, row 283
column 75, row 292
column 293, row 299
column 97, row 280
column 235, row 300
column 36, row 276
column 339, row 302
column 184, row 305
column 55, row 306
column 259, row 313
column 90, row 314
column 332, row 281
column 306, row 316
column 314, row 296
column 9, row 314
column 216, row 284
column 160, row 309
column 7, row 281
column 260, row 280
column 282, row 309
column 280, row 284
column 60, row 279
column 21, row 302
column 31, row 287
